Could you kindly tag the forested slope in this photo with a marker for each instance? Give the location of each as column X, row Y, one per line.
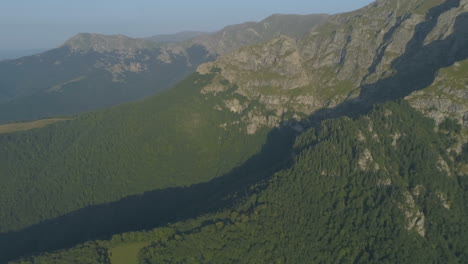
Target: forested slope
column 370, row 190
column 170, row 140
column 62, row 184
column 357, row 192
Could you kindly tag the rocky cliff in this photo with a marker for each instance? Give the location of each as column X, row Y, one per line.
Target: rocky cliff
column 386, row 50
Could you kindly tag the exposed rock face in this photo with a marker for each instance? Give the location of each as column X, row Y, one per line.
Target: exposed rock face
column 276, row 63
column 343, row 55
column 256, row 120
column 395, row 138
column 447, row 96
column 349, row 46
column 235, row 106
column 418, row 190
column 444, row 200
column 415, row 219
column 443, row 166
column 365, row 160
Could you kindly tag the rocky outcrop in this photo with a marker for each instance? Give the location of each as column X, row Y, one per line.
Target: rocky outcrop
column 275, row 64
column 445, row 202
column 447, row 97
column 395, row 137
column 366, row 160
column 341, row 57
column 415, row 219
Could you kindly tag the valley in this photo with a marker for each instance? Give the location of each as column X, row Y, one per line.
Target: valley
column 297, row 139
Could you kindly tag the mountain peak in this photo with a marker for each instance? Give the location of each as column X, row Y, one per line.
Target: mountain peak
column 85, row 42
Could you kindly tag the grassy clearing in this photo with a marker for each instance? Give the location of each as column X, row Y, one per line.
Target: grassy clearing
column 126, row 253
column 15, row 127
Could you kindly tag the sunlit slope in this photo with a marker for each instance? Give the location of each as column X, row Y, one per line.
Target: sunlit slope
column 370, row 190
column 173, row 139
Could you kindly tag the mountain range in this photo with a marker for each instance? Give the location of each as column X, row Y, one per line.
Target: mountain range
column 92, row 71
column 298, row 139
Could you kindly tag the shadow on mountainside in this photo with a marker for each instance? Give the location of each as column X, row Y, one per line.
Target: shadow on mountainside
column 151, row 209
column 415, row 70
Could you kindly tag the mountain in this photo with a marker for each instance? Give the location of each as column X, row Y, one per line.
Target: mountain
column 92, row 71
column 88, row 72
column 177, row 37
column 234, row 37
column 247, row 135
column 382, row 52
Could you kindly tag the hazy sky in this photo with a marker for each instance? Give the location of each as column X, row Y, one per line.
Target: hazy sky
column 29, row 24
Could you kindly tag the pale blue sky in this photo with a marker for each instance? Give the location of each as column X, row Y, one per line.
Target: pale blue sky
column 27, row 24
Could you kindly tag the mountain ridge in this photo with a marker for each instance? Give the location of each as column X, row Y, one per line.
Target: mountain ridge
column 325, row 74
column 340, row 71
column 85, row 42
column 111, row 70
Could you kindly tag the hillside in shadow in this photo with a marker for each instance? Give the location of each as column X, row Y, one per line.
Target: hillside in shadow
column 151, row 209
column 415, row 70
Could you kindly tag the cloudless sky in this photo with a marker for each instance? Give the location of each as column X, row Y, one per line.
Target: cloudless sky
column 31, row 24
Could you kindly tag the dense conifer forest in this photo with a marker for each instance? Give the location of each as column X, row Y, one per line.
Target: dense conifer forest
column 370, row 190
column 298, row 139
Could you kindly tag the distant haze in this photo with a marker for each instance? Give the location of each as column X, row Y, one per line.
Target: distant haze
column 17, row 53
column 32, row 24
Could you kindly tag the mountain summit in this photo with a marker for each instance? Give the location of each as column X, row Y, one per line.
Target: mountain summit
column 86, row 42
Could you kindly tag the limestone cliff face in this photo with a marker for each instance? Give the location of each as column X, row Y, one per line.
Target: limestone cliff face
column 372, row 54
